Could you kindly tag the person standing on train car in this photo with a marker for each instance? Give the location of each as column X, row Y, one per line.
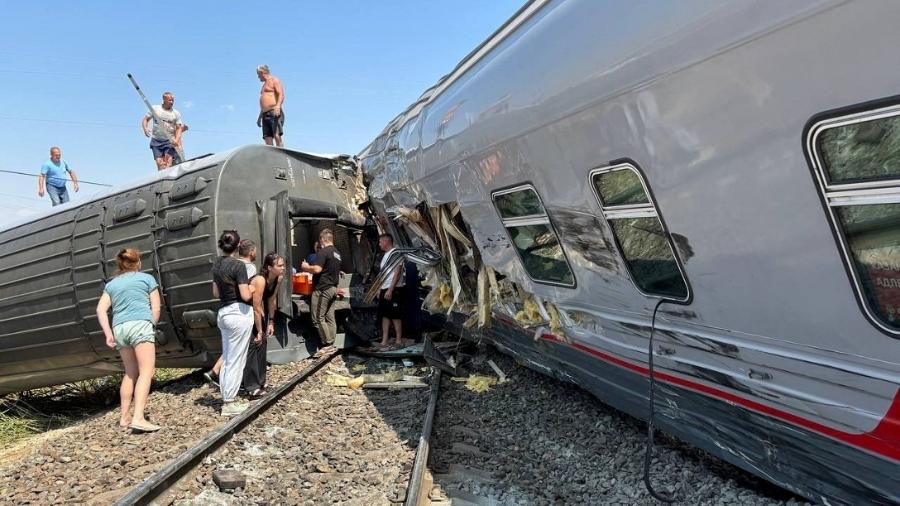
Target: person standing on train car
column 271, row 115
column 326, row 274
column 53, row 178
column 265, row 302
column 235, row 319
column 135, row 301
column 165, row 139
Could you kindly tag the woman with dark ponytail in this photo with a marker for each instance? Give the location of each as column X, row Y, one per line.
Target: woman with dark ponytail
column 265, row 302
column 235, row 320
column 135, row 301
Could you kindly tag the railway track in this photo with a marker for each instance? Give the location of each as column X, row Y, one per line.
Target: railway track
column 310, row 442
column 532, row 440
column 160, row 481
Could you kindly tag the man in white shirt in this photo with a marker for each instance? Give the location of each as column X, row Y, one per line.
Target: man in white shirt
column 165, row 140
column 390, row 296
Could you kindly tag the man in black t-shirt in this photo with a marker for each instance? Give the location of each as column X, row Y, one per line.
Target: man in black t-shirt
column 326, row 273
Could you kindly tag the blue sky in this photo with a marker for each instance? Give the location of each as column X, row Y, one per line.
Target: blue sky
column 348, row 68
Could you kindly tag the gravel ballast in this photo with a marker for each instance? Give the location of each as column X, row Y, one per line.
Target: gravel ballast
column 96, row 462
column 320, row 444
column 537, row 440
column 532, row 440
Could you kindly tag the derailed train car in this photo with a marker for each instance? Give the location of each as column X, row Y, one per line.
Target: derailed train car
column 53, row 267
column 713, row 185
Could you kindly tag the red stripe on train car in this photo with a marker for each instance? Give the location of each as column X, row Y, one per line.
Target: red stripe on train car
column 883, row 440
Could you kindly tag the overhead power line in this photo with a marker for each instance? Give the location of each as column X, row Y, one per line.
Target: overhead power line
column 20, row 197
column 115, row 125
column 80, row 181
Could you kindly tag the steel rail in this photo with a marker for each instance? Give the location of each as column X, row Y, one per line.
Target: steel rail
column 162, row 480
column 413, row 491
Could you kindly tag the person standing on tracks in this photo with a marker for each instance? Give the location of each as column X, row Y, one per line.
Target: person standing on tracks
column 135, row 301
column 246, row 253
column 235, row 320
column 265, row 302
column 390, row 308
column 271, row 114
column 326, row 274
column 165, row 140
column 53, row 178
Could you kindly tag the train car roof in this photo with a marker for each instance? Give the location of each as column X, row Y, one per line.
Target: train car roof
column 413, row 110
column 191, row 165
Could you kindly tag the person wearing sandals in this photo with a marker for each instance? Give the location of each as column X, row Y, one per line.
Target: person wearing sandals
column 235, row 320
column 265, row 301
column 135, row 301
column 390, row 296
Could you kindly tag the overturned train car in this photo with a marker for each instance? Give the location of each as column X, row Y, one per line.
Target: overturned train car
column 720, row 177
column 53, row 267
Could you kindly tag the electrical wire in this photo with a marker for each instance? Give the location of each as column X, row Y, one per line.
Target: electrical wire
column 659, row 496
column 114, row 125
column 80, row 181
column 20, row 197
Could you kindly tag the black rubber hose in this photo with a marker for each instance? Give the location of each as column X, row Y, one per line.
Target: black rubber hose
column 648, row 454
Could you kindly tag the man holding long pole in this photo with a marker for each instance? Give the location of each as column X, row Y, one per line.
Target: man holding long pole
column 167, row 129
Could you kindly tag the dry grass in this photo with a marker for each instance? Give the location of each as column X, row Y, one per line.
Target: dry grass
column 37, row 411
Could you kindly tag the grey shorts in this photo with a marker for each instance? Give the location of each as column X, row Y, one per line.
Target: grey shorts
column 133, row 333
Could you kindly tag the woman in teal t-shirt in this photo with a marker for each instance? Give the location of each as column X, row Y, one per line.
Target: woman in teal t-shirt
column 134, row 298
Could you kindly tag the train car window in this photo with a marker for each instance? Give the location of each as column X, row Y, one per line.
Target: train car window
column 533, row 236
column 620, row 187
column 519, row 204
column 873, row 235
column 861, row 151
column 642, row 240
column 856, row 163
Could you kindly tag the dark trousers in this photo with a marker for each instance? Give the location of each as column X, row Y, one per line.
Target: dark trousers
column 323, row 314
column 255, row 368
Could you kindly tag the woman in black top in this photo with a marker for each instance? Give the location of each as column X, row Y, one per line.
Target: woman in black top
column 265, row 290
column 235, row 319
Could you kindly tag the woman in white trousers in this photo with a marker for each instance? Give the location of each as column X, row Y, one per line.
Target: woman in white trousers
column 235, row 320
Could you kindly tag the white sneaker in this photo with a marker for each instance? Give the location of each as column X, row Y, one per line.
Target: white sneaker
column 235, row 408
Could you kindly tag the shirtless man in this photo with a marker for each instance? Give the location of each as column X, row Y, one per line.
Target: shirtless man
column 271, row 116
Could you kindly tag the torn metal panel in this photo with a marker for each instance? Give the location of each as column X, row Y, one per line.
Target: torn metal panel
column 413, row 219
column 420, row 256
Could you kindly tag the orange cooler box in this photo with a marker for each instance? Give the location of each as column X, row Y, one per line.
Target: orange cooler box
column 302, row 284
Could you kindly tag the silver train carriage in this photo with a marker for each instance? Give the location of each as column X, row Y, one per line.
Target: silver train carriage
column 53, row 267
column 739, row 161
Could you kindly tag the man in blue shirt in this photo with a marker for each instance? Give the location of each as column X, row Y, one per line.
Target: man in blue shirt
column 54, row 174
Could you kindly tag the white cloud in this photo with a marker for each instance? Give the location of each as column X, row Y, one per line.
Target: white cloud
column 227, row 107
column 187, row 104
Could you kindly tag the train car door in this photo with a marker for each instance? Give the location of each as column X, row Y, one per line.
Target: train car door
column 130, row 221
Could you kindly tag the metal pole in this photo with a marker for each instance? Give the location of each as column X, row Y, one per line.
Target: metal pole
column 153, row 113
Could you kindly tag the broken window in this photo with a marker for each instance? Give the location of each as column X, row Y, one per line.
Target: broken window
column 533, row 236
column 641, row 237
column 857, row 162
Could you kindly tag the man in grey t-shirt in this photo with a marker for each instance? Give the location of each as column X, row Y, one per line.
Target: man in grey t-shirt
column 165, row 140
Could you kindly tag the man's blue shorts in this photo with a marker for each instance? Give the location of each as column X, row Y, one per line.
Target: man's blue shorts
column 162, row 148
